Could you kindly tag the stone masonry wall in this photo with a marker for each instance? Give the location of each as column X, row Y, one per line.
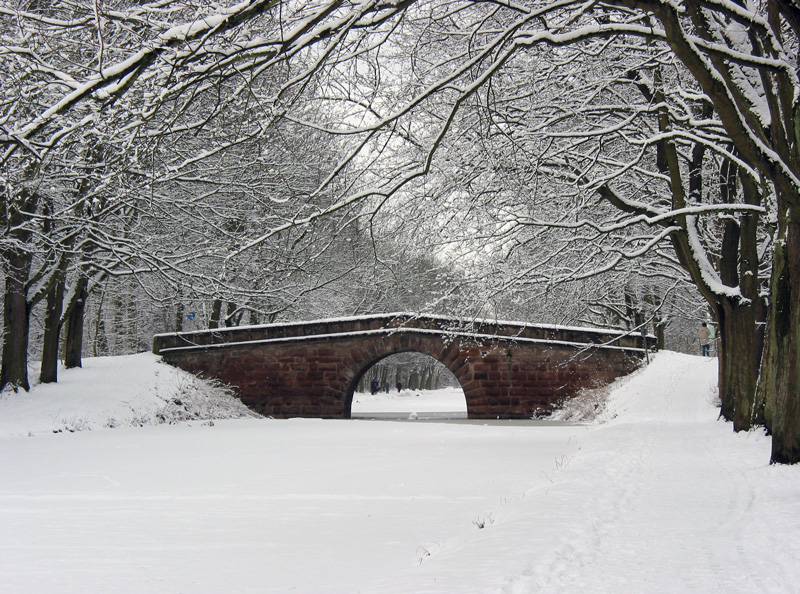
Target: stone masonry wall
column 316, row 377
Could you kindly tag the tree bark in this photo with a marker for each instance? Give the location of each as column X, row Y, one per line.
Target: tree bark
column 739, row 366
column 73, row 338
column 740, row 352
column 16, row 264
column 660, row 331
column 100, row 342
column 179, row 313
column 780, row 373
column 16, row 321
column 216, row 314
column 52, row 323
column 230, row 319
column 764, row 410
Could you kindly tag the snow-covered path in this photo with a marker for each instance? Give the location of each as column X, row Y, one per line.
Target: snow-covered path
column 661, row 498
column 666, row 499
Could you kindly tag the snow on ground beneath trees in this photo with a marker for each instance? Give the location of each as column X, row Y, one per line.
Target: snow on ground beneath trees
column 113, row 392
column 420, row 404
column 659, row 496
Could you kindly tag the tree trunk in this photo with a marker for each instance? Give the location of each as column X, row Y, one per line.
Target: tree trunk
column 660, row 330
column 780, row 374
column 739, row 352
column 764, row 410
column 739, row 361
column 73, row 338
column 728, row 326
column 230, row 317
column 216, row 314
column 724, row 362
column 100, row 343
column 52, row 325
column 179, row 313
column 743, row 315
column 16, row 322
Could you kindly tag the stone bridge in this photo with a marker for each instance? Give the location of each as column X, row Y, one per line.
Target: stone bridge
column 311, row 369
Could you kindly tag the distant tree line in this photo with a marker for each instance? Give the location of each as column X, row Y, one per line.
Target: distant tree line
column 414, row 371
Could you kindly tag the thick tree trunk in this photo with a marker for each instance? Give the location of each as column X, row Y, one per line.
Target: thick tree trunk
column 759, row 402
column 739, row 347
column 726, row 312
column 16, row 322
column 52, row 332
column 52, row 325
column 764, row 410
column 16, row 265
column 73, row 338
column 744, row 315
column 741, row 357
column 725, row 363
column 739, row 354
column 780, row 375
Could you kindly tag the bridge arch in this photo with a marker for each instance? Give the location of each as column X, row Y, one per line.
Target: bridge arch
column 311, row 369
column 437, row 354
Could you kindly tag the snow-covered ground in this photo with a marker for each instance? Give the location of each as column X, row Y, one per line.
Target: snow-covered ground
column 113, row 392
column 660, row 497
column 420, row 404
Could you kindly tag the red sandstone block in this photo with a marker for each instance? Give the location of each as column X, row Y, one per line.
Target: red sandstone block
column 328, row 359
column 332, row 366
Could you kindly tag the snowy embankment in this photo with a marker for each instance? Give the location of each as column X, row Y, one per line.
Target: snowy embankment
column 661, row 497
column 112, row 392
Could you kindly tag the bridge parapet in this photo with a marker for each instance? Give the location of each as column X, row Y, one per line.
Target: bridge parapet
column 402, row 322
